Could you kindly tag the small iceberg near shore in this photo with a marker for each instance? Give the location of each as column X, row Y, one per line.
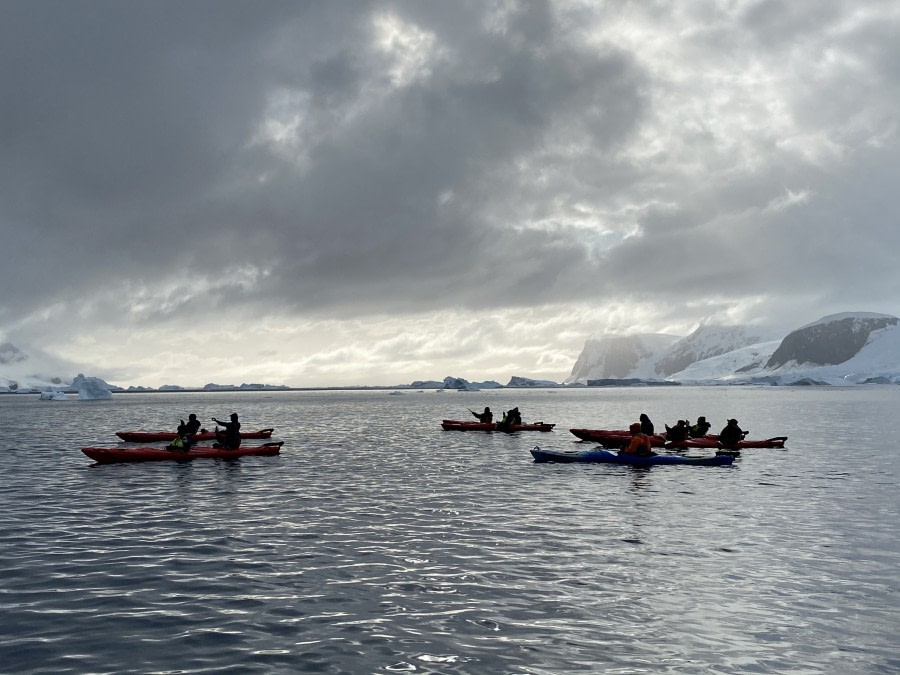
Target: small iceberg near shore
column 53, row 395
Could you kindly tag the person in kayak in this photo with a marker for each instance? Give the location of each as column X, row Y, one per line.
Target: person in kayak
column 731, row 434
column 515, row 417
column 646, row 425
column 639, row 444
column 701, row 428
column 510, row 417
column 677, row 433
column 229, row 437
column 189, row 429
column 486, row 417
column 185, row 438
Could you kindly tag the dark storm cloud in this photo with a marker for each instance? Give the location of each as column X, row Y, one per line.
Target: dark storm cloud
column 127, row 136
column 347, row 159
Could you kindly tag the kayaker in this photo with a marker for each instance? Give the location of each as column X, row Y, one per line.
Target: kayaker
column 677, row 433
column 230, row 437
column 185, row 438
column 179, row 444
column 646, row 425
column 731, row 434
column 510, row 417
column 701, row 428
column 486, row 417
column 640, row 442
column 189, row 429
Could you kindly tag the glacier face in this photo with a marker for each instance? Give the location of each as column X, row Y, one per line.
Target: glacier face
column 621, row 357
column 847, row 348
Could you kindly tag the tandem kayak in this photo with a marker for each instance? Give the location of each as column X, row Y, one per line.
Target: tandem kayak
column 713, row 442
column 614, row 437
column 458, row 425
column 113, row 455
column 606, row 457
column 155, row 436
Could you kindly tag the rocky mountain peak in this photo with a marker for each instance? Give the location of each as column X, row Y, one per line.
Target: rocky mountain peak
column 829, row 341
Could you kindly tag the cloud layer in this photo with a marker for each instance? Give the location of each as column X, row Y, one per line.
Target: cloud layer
column 372, row 192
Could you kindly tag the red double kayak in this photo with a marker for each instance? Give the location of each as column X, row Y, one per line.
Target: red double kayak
column 156, row 436
column 613, row 437
column 713, row 442
column 620, row 437
column 114, row 455
column 458, row 425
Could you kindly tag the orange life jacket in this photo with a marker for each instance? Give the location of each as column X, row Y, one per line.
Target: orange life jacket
column 639, row 445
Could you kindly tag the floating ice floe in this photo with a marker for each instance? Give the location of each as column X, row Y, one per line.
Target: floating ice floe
column 53, row 395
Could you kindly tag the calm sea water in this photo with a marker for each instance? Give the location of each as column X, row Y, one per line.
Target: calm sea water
column 379, row 543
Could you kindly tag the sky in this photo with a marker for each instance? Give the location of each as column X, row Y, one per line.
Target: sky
column 373, row 192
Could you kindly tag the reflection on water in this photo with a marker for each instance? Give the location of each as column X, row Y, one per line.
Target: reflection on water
column 379, row 543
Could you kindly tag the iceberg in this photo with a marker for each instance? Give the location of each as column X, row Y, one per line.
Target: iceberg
column 53, row 395
column 91, row 388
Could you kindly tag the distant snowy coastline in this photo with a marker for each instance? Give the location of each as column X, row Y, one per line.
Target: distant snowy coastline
column 850, row 348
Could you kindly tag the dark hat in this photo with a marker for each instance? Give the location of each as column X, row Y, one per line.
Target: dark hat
column 192, row 416
column 730, row 421
column 701, row 418
column 635, row 427
column 234, row 416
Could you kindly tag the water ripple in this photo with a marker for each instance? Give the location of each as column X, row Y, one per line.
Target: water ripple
column 378, row 543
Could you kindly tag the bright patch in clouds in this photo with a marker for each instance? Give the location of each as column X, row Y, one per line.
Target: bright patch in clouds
column 327, row 193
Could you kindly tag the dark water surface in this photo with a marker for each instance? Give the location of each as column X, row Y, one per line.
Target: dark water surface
column 379, row 543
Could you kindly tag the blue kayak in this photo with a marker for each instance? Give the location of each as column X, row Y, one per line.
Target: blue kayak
column 606, row 457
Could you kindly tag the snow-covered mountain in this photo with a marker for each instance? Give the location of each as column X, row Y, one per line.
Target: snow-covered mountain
column 848, row 348
column 704, row 343
column 616, row 356
column 829, row 341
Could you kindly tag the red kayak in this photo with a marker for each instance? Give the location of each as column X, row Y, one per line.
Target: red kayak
column 156, row 436
column 113, row 455
column 713, row 442
column 613, row 437
column 457, row 425
column 620, row 437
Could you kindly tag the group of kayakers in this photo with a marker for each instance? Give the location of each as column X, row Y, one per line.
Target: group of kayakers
column 641, row 432
column 228, row 438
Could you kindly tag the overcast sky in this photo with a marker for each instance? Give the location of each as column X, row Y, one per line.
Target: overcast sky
column 337, row 193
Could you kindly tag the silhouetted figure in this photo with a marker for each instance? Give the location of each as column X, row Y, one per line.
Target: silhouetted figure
column 677, row 433
column 487, row 416
column 731, row 434
column 701, row 428
column 189, row 429
column 229, row 437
